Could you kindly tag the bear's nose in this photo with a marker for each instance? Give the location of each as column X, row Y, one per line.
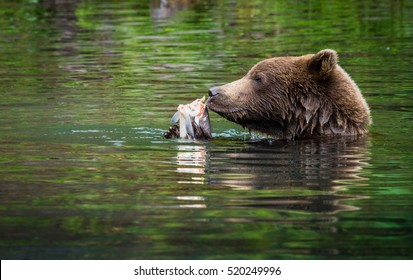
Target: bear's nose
column 213, row 91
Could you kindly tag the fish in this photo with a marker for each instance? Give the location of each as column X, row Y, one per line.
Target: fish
column 193, row 119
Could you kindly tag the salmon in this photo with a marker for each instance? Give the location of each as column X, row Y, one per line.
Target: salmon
column 193, row 119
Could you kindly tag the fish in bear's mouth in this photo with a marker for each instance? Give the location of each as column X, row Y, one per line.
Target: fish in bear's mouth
column 193, row 121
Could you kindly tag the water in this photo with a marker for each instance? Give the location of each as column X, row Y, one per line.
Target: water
column 87, row 91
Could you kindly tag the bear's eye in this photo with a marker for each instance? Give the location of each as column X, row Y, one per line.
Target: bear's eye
column 257, row 78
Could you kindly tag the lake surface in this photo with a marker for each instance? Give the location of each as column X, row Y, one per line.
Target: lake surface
column 88, row 89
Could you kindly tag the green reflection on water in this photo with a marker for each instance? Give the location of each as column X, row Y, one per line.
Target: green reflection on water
column 88, row 88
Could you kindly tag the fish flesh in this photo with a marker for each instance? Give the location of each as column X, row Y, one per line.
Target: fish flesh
column 193, row 121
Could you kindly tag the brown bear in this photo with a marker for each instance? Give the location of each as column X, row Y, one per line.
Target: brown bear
column 294, row 98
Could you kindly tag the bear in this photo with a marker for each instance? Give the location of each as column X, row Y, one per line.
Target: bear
column 294, row 97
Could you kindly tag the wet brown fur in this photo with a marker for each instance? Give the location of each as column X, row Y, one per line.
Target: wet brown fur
column 294, row 97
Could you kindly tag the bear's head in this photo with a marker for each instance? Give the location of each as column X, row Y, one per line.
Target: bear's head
column 294, row 97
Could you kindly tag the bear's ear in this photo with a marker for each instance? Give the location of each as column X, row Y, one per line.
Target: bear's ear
column 323, row 63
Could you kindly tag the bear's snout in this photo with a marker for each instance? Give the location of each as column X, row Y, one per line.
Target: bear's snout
column 214, row 91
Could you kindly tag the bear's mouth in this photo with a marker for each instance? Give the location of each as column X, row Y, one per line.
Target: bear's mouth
column 236, row 115
column 221, row 109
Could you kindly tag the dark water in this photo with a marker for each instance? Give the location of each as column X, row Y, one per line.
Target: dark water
column 88, row 88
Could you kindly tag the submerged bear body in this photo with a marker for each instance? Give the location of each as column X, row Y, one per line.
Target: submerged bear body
column 294, row 98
